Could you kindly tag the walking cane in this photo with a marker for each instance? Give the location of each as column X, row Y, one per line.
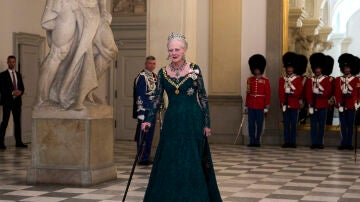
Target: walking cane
column 240, row 127
column 142, row 134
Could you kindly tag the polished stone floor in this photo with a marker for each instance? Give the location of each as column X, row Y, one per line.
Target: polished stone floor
column 244, row 174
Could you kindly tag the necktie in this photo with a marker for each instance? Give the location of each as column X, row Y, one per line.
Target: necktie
column 14, row 80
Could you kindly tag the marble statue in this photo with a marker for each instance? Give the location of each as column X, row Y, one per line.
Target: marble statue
column 82, row 48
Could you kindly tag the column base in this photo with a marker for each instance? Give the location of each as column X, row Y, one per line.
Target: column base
column 72, row 150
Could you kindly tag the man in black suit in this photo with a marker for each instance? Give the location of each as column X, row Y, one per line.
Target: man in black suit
column 11, row 90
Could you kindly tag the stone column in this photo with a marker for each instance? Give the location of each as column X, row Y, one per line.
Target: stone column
column 274, row 41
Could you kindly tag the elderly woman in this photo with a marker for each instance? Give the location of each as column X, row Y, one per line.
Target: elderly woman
column 183, row 169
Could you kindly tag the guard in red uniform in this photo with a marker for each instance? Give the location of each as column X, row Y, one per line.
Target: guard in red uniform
column 257, row 98
column 318, row 92
column 290, row 92
column 346, row 98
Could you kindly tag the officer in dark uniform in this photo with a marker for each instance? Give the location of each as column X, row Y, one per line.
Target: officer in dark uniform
column 144, row 89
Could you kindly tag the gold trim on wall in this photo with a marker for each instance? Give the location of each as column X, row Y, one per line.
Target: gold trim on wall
column 285, row 25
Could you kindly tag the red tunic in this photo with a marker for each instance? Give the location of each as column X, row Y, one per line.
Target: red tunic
column 258, row 92
column 290, row 99
column 346, row 91
column 321, row 100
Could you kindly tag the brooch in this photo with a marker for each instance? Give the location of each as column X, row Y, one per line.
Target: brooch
column 190, row 91
column 193, row 73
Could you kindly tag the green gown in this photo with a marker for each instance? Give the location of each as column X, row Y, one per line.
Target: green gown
column 183, row 169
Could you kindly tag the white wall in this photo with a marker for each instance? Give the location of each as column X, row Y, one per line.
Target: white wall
column 353, row 32
column 253, row 36
column 18, row 16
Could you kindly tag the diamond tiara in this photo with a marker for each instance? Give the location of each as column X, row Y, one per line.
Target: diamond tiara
column 173, row 35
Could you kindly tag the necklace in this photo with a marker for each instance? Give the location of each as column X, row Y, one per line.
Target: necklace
column 177, row 86
column 177, row 70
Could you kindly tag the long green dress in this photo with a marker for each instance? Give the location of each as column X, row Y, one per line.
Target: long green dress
column 182, row 169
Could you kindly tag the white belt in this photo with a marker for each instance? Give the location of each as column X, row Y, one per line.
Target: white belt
column 257, row 95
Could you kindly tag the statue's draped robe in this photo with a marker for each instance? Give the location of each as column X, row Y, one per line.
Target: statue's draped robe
column 76, row 75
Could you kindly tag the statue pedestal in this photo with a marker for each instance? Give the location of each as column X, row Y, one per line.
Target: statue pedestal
column 72, row 147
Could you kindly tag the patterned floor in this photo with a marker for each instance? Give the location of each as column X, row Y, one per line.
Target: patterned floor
column 244, row 174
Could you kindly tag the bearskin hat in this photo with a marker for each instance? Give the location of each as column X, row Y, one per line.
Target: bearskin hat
column 356, row 67
column 257, row 61
column 328, row 65
column 347, row 60
column 302, row 62
column 317, row 60
column 290, row 59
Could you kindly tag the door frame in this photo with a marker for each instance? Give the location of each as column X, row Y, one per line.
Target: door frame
column 22, row 38
column 28, row 39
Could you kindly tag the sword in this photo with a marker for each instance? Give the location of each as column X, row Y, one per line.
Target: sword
column 241, row 124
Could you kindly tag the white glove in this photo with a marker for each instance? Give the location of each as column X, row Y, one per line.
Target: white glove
column 311, row 110
column 341, row 109
column 316, row 91
column 266, row 110
column 357, row 106
column 287, row 90
column 284, row 107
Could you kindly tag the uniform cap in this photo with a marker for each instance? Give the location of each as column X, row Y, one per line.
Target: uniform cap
column 317, row 60
column 347, row 60
column 328, row 65
column 257, row 61
column 290, row 59
column 301, row 65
